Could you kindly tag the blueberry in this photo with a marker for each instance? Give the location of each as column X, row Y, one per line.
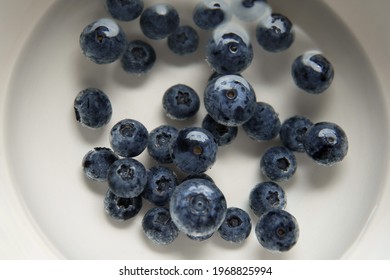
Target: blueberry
column 277, row 230
column 97, row 162
column 198, row 207
column 138, row 58
column 128, row 138
column 312, row 72
column 208, row 15
column 264, row 125
column 194, row 150
column 125, row 10
column 92, row 108
column 184, row 40
column 236, row 226
column 121, row 208
column 198, row 176
column 293, row 131
column 200, row 238
column 275, row 33
column 223, row 134
column 230, row 100
column 161, row 183
column 227, row 52
column 159, row 21
column 250, row 10
column 266, row 196
column 278, row 163
column 159, row 143
column 157, row 225
column 180, row 102
column 127, row 177
column 326, row 143
column 103, row 41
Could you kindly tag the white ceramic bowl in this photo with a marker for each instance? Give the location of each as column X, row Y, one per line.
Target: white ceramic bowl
column 49, row 210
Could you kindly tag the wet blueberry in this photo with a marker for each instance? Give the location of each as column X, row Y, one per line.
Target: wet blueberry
column 180, row 102
column 103, row 41
column 184, row 40
column 230, row 100
column 198, row 207
column 275, row 33
column 125, row 10
column 277, row 230
column 92, row 108
column 159, row 143
column 208, row 14
column 250, row 10
column 278, row 163
column 223, row 134
column 161, row 183
column 326, row 143
column 228, row 52
column 266, row 196
column 312, row 72
column 157, row 225
column 293, row 131
column 97, row 162
column 121, row 208
column 127, row 177
column 194, row 150
column 236, row 226
column 264, row 125
column 138, row 58
column 159, row 21
column 128, row 138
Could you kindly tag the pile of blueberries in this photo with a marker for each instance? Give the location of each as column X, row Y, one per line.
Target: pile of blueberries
column 195, row 206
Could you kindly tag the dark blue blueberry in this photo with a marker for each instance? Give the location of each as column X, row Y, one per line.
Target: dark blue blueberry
column 264, row 125
column 128, row 138
column 159, row 21
column 194, row 150
column 237, row 225
column 275, row 33
column 208, row 15
column 127, row 177
column 184, row 40
column 159, row 143
column 103, row 41
column 278, row 163
column 312, row 72
column 180, row 102
column 326, row 143
column 198, row 207
column 230, row 100
column 200, row 238
column 92, row 108
column 250, row 10
column 223, row 134
column 125, row 10
column 121, row 208
column 161, row 183
column 266, row 196
column 228, row 52
column 158, row 226
column 97, row 162
column 293, row 131
column 277, row 230
column 138, row 58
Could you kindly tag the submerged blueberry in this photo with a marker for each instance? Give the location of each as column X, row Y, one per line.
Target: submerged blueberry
column 277, row 230
column 138, row 58
column 121, row 208
column 208, row 14
column 198, row 207
column 266, row 196
column 157, row 225
column 125, row 10
column 103, row 41
column 194, row 150
column 236, row 226
column 230, row 100
column 97, row 162
column 184, row 40
column 92, row 108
